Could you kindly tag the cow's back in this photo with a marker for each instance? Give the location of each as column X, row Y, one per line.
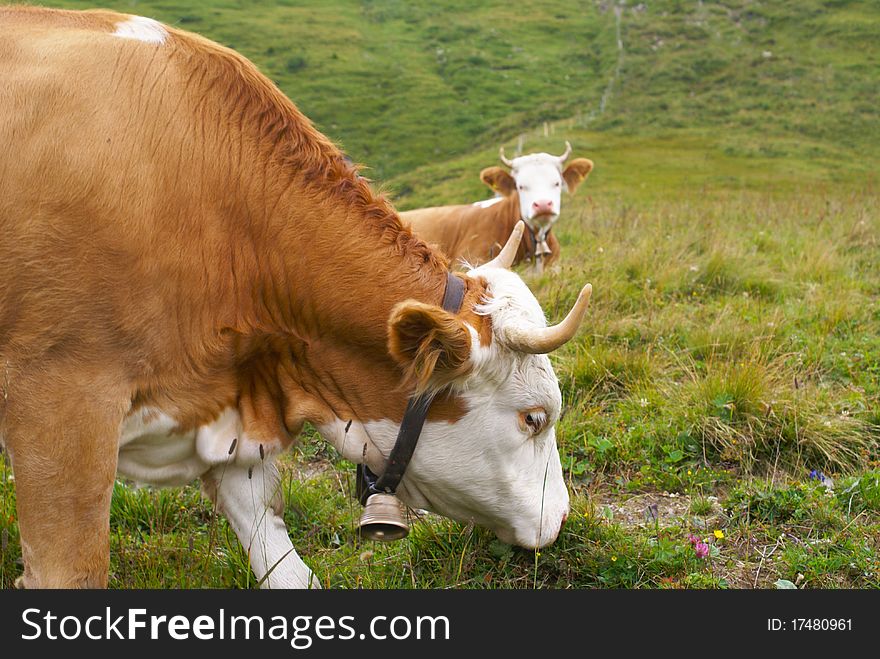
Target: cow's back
column 471, row 233
column 103, row 184
column 83, row 116
column 448, row 227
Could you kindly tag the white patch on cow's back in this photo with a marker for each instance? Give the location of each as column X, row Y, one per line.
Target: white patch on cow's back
column 141, row 29
column 486, row 203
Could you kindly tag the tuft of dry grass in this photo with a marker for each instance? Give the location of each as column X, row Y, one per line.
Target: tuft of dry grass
column 754, row 414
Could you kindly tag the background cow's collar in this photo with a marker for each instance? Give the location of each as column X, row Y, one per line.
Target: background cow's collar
column 537, row 247
column 411, row 425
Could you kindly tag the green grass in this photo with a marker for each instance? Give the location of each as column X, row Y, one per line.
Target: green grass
column 730, row 230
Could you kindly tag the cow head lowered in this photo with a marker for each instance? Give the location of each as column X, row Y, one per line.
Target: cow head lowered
column 498, row 464
column 538, row 179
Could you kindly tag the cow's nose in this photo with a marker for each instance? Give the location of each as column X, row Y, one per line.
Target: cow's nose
column 542, row 206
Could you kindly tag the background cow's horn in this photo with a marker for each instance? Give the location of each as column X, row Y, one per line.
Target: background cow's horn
column 541, row 340
column 508, row 252
column 507, row 162
column 567, row 152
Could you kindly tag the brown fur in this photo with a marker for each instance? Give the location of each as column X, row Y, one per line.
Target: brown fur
column 575, row 172
column 499, row 180
column 174, row 233
column 474, row 234
column 432, row 344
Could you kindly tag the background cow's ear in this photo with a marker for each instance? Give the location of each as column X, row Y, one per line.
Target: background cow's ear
column 576, row 172
column 498, row 179
column 431, row 344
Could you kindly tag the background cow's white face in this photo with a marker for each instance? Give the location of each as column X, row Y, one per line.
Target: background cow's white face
column 498, row 465
column 539, row 184
column 538, row 179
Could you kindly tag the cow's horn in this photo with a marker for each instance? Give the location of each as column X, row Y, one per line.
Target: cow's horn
column 541, row 340
column 508, row 252
column 507, row 162
column 567, row 152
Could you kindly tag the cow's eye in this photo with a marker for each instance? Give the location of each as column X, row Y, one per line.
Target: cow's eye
column 533, row 421
column 556, row 184
column 522, row 188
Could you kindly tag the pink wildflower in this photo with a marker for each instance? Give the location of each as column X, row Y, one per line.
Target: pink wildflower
column 702, row 549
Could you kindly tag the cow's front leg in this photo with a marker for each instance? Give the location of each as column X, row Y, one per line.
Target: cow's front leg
column 252, row 502
column 62, row 434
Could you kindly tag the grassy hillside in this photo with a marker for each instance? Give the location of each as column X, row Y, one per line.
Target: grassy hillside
column 405, row 84
column 400, row 83
column 731, row 94
column 731, row 230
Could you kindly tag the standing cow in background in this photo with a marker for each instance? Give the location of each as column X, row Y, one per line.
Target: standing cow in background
column 160, row 319
column 531, row 192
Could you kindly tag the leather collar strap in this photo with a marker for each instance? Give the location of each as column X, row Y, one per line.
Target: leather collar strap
column 454, row 295
column 534, row 244
column 413, row 421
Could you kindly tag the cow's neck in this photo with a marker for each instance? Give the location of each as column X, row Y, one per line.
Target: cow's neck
column 337, row 262
column 341, row 269
column 317, row 262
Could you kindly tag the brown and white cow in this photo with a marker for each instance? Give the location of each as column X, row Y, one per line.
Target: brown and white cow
column 162, row 318
column 532, row 192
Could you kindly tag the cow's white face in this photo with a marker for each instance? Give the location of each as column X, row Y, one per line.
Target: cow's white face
column 499, row 465
column 538, row 179
column 539, row 184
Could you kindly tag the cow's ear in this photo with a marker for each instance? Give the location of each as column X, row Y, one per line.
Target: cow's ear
column 431, row 344
column 576, row 172
column 498, row 179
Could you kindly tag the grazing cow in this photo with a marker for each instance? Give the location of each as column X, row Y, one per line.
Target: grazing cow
column 161, row 316
column 531, row 191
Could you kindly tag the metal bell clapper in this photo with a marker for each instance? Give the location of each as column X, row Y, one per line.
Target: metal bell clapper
column 383, row 519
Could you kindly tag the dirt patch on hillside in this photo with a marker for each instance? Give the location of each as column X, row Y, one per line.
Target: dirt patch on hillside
column 746, row 562
column 662, row 509
column 300, row 469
